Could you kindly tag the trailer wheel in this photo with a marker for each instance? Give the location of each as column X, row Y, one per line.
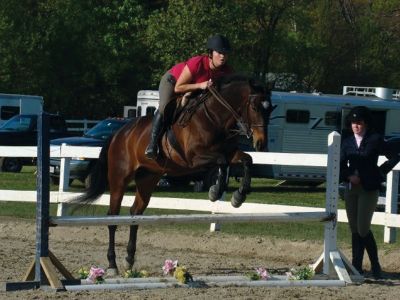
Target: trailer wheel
column 56, row 180
column 10, row 164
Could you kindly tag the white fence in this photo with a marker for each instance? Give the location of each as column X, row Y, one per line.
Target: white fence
column 389, row 219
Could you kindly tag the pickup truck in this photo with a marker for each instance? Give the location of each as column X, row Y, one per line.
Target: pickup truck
column 21, row 130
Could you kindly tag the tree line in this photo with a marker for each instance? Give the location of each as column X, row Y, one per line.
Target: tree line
column 89, row 58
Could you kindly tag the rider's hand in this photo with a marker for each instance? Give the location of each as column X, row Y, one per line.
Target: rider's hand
column 204, row 85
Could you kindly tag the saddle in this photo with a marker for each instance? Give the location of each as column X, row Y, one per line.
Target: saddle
column 187, row 105
column 185, row 108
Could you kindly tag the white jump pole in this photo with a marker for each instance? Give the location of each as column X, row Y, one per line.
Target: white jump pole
column 331, row 255
column 191, row 218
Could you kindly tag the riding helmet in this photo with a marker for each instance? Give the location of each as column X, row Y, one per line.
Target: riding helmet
column 219, row 43
column 360, row 113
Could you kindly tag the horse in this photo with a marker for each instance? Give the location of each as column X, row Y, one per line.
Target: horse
column 204, row 136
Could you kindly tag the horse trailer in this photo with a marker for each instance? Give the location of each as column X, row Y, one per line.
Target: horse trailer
column 11, row 105
column 301, row 122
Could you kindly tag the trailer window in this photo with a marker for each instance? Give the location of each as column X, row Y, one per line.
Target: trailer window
column 7, row 112
column 132, row 113
column 150, row 110
column 297, row 116
column 332, row 118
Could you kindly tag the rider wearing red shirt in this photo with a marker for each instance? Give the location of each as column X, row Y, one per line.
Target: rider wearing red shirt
column 196, row 73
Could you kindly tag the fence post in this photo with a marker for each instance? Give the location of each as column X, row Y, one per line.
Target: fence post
column 392, row 185
column 43, row 196
column 63, row 182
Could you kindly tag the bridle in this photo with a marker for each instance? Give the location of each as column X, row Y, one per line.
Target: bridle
column 245, row 127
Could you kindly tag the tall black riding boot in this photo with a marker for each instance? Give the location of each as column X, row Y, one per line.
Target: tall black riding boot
column 152, row 148
column 357, row 251
column 372, row 250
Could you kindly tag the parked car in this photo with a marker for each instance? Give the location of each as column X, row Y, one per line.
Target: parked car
column 95, row 137
column 21, row 130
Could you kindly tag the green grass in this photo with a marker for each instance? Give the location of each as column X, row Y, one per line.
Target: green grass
column 264, row 191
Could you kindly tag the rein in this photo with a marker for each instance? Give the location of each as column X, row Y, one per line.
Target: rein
column 243, row 126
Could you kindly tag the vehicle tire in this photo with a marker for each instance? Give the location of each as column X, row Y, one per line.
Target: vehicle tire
column 56, row 180
column 11, row 164
column 179, row 181
column 87, row 180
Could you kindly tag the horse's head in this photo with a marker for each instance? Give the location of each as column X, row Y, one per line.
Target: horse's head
column 257, row 113
column 248, row 104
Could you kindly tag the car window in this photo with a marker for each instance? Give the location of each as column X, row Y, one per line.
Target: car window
column 19, row 123
column 104, row 129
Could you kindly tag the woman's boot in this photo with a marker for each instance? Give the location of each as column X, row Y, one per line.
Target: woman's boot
column 372, row 250
column 156, row 131
column 357, row 251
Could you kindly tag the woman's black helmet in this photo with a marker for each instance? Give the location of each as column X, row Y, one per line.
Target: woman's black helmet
column 360, row 113
column 219, row 43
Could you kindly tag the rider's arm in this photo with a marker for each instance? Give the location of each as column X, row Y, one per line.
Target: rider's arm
column 183, row 84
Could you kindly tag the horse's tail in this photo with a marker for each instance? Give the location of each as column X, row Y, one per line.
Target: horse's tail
column 97, row 182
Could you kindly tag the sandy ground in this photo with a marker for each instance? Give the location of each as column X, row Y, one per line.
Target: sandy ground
column 203, row 254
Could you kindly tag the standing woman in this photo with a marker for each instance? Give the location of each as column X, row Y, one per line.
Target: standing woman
column 359, row 169
column 197, row 73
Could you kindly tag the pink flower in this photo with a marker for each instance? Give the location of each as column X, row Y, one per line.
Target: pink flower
column 169, row 266
column 263, row 273
column 96, row 274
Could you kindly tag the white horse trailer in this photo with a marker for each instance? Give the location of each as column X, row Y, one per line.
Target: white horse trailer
column 146, row 104
column 11, row 105
column 301, row 122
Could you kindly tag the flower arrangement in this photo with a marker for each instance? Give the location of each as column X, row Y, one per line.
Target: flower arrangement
column 180, row 273
column 136, row 274
column 169, row 266
column 96, row 275
column 83, row 273
column 305, row 273
column 259, row 274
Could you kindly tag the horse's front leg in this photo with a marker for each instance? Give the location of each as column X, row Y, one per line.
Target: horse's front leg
column 239, row 196
column 215, row 192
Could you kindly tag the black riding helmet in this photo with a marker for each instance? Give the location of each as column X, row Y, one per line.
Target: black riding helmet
column 360, row 113
column 219, row 43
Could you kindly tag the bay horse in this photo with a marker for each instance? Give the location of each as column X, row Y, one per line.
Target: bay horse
column 205, row 136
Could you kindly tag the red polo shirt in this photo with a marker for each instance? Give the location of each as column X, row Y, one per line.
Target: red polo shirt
column 200, row 69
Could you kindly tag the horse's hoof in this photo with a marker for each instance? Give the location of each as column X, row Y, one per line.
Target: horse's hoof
column 112, row 272
column 213, row 193
column 127, row 266
column 237, row 199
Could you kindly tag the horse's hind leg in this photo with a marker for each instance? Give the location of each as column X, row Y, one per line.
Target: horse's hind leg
column 117, row 189
column 145, row 185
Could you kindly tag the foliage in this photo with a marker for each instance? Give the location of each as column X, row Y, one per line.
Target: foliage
column 304, row 273
column 95, row 55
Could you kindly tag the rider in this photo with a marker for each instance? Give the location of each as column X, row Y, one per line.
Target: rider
column 196, row 73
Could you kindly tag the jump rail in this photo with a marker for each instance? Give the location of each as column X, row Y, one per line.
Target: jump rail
column 193, row 218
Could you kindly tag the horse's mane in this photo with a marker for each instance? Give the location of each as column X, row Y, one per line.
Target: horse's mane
column 229, row 79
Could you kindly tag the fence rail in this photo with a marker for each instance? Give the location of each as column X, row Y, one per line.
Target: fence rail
column 389, row 219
